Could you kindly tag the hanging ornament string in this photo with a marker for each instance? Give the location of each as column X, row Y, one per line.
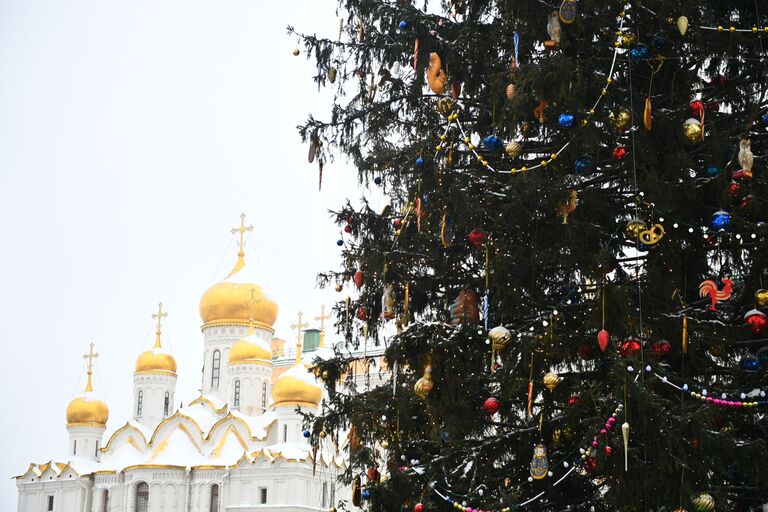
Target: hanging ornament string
column 545, row 162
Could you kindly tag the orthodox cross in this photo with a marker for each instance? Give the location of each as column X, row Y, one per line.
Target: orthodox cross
column 159, row 316
column 299, row 326
column 90, row 356
column 241, row 231
column 322, row 318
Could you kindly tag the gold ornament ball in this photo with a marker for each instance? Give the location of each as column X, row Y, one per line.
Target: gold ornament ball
column 692, row 130
column 703, row 503
column 551, row 381
column 322, row 434
column 621, row 120
column 385, row 444
column 296, row 52
column 339, row 288
column 634, row 227
column 325, row 374
column 513, row 149
column 525, row 128
column 332, row 509
column 500, row 337
column 628, row 39
column 761, row 298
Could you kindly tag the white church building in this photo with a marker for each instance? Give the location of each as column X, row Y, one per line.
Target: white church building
column 239, row 446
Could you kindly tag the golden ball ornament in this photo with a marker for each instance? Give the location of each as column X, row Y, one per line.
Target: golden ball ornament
column 385, row 444
column 692, row 130
column 703, row 503
column 628, row 39
column 634, row 228
column 296, row 52
column 332, row 509
column 621, row 119
column 761, row 298
column 323, row 434
column 552, row 380
column 500, row 337
column 513, row 149
column 339, row 288
column 325, row 374
column 525, row 128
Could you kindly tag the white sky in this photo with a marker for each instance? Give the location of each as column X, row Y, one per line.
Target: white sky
column 132, row 135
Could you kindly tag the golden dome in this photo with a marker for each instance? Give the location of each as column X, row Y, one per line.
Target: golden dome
column 250, row 350
column 297, row 386
column 86, row 408
column 232, row 302
column 156, row 359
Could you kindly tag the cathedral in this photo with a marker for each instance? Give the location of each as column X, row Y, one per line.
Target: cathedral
column 239, row 446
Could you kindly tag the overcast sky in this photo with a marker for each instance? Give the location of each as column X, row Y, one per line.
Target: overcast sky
column 132, row 135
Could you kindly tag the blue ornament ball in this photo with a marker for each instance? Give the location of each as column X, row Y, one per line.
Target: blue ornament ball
column 639, row 52
column 339, row 242
column 566, row 120
column 584, row 164
column 377, row 180
column 493, row 143
column 420, row 161
column 306, row 433
column 366, row 494
column 720, row 220
column 765, row 119
column 712, row 171
column 749, row 364
column 402, row 24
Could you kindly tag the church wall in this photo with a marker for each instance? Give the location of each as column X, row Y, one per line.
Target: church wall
column 68, row 495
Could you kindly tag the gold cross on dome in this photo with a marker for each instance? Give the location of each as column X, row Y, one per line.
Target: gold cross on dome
column 250, row 304
column 90, row 356
column 299, row 326
column 241, row 231
column 322, row 318
column 159, row 316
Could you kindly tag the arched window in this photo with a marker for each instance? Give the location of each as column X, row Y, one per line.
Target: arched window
column 105, row 501
column 215, row 369
column 214, row 498
column 236, row 400
column 74, row 447
column 142, row 497
column 264, row 394
column 167, row 404
column 139, row 403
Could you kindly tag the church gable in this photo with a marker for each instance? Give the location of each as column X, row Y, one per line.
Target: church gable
column 128, row 433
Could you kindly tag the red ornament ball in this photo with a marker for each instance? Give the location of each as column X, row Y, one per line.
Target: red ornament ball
column 418, row 508
column 603, row 338
column 373, row 474
column 758, row 322
column 590, row 465
column 358, row 279
column 629, row 347
column 397, row 223
column 347, row 228
column 697, row 108
column 477, row 238
column 619, row 153
column 608, row 451
column 491, row 405
column 660, row 349
column 573, row 400
column 734, row 189
column 585, row 351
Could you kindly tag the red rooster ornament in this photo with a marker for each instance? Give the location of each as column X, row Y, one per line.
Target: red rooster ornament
column 710, row 288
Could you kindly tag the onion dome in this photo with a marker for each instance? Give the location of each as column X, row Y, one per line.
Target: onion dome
column 251, row 349
column 297, row 386
column 156, row 360
column 87, row 409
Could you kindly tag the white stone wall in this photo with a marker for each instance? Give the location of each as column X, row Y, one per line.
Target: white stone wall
column 85, row 440
column 153, row 386
column 255, row 387
column 70, row 493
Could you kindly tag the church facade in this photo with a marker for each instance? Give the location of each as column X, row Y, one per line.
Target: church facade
column 239, row 446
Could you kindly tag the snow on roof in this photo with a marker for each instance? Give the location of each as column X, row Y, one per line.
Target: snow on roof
column 258, row 425
column 288, row 451
column 202, row 415
column 259, row 342
column 229, row 450
column 177, row 449
column 298, row 371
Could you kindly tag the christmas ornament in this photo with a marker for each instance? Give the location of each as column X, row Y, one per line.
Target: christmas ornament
column 347, row 228
column 538, row 113
column 306, row 433
column 603, row 338
column 608, row 451
column 385, row 444
column 339, row 242
column 332, row 74
column 712, row 171
column 296, row 52
column 455, row 90
column 513, row 149
column 436, row 77
column 734, row 189
column 424, row 385
column 362, row 313
column 565, row 120
column 720, row 220
column 403, row 24
column 418, row 508
column 554, row 30
column 619, row 153
column 420, row 161
column 377, row 180
column 373, row 474
column 660, row 349
column 583, row 164
column 639, row 52
column 339, row 288
column 761, row 298
column 445, row 106
column 590, row 465
column 477, row 238
column 692, row 130
column 510, row 91
column 491, row 405
column 388, row 302
column 629, row 347
column 711, row 289
column 634, row 228
column 625, row 436
column 703, row 503
column 551, row 381
column 358, row 279
column 464, row 309
column 647, row 114
column 749, row 364
column 651, row 236
column 500, row 338
column 539, row 463
column 757, row 321
column 746, row 158
column 568, row 207
column 366, row 494
column 356, row 491
column 621, row 119
column 682, row 25
column 493, row 143
column 567, row 11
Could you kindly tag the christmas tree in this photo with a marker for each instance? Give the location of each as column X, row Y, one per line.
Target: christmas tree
column 569, row 275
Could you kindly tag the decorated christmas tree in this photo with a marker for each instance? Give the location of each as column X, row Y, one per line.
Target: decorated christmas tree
column 570, row 276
